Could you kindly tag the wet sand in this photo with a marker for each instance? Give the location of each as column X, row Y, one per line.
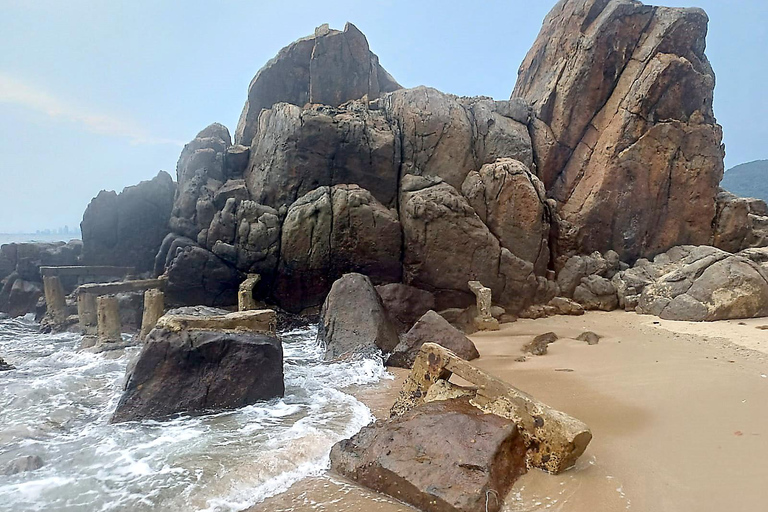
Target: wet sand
column 679, row 413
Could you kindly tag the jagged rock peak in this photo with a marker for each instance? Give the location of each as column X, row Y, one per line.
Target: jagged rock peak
column 623, row 131
column 329, row 67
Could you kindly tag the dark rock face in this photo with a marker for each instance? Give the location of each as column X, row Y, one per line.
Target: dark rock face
column 625, row 137
column 331, row 231
column 4, row 367
column 354, row 321
column 200, row 173
column 444, row 456
column 331, row 67
column 405, row 304
column 196, row 372
column 432, row 328
column 300, row 149
column 199, row 277
column 695, row 284
column 21, row 285
column 127, row 229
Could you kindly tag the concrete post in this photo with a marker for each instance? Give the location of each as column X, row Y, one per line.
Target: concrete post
column 86, row 311
column 154, row 307
column 109, row 320
column 55, row 300
column 245, row 300
column 484, row 320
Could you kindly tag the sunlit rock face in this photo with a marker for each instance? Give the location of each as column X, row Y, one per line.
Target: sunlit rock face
column 624, row 133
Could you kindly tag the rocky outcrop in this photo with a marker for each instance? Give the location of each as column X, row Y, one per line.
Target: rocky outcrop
column 444, row 456
column 596, row 293
column 300, row 149
column 695, row 284
column 512, row 202
column 353, row 320
column 331, row 231
column 405, row 304
column 437, row 221
column 202, row 169
column 432, row 328
column 576, row 268
column 625, row 137
column 197, row 276
column 740, row 223
column 199, row 371
column 126, row 229
column 331, row 67
column 21, row 285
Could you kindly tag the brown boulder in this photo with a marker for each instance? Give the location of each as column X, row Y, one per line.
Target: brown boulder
column 330, row 67
column 432, row 328
column 444, row 456
column 200, row 371
column 511, row 201
column 740, row 223
column 626, row 139
column 353, row 320
column 199, row 277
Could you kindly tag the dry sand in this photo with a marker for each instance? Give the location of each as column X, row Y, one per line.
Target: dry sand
column 679, row 413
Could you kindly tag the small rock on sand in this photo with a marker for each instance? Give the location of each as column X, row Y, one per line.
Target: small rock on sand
column 590, row 337
column 538, row 346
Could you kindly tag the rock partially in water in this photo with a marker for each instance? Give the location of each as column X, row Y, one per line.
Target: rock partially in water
column 200, row 371
column 432, row 328
column 23, row 464
column 4, row 367
column 444, row 456
column 353, row 319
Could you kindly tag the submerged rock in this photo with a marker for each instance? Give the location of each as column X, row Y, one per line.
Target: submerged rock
column 4, row 367
column 199, row 371
column 354, row 321
column 432, row 328
column 444, row 456
column 24, row 464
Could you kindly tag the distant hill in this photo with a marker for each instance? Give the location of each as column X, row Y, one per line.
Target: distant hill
column 748, row 180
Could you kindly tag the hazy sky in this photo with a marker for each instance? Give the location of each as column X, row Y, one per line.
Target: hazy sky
column 103, row 94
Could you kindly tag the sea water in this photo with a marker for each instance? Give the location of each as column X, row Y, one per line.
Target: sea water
column 58, row 402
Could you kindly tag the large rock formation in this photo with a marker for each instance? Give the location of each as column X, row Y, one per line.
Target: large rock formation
column 331, row 67
column 354, row 321
column 197, row 276
column 444, row 456
column 126, row 229
column 625, row 137
column 198, row 371
column 695, row 284
column 740, row 223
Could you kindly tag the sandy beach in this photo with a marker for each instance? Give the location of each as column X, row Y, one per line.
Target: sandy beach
column 677, row 410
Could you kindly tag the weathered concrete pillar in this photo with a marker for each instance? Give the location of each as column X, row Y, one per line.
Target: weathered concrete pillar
column 154, row 307
column 245, row 300
column 56, row 302
column 484, row 320
column 86, row 311
column 109, row 320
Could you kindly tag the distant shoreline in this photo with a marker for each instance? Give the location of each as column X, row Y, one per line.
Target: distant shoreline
column 9, row 238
